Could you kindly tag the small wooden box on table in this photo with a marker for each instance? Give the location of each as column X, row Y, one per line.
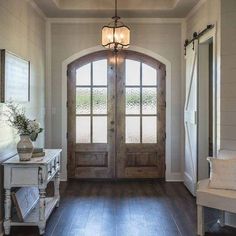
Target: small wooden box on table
column 37, row 172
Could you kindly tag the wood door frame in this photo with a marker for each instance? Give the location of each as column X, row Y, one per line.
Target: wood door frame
column 170, row 175
column 211, row 35
column 142, row 58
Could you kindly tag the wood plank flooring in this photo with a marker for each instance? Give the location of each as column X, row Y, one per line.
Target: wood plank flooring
column 131, row 208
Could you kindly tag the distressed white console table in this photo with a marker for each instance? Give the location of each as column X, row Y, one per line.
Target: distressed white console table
column 37, row 172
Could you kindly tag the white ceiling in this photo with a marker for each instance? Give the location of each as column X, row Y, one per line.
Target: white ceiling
column 126, row 8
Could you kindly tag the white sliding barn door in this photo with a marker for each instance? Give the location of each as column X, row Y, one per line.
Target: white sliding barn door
column 190, row 117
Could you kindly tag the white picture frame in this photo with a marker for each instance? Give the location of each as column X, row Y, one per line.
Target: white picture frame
column 15, row 78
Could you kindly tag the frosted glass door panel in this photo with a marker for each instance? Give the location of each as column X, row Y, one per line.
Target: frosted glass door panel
column 100, row 129
column 100, row 101
column 83, row 134
column 83, row 75
column 132, row 101
column 91, row 103
column 149, row 75
column 132, row 75
column 132, row 129
column 149, row 100
column 149, row 129
column 83, row 100
column 140, row 102
column 100, row 72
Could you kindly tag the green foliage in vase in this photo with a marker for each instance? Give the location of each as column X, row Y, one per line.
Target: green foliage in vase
column 16, row 118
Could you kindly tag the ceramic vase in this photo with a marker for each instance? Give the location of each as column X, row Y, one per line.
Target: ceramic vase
column 25, row 148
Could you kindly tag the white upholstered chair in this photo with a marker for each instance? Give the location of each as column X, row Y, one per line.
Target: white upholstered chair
column 224, row 200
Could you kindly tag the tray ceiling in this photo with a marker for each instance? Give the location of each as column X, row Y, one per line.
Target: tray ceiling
column 126, row 8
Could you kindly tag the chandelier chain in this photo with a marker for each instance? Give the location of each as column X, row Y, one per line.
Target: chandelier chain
column 116, row 8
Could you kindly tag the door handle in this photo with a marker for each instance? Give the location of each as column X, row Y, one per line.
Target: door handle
column 112, row 122
column 112, row 130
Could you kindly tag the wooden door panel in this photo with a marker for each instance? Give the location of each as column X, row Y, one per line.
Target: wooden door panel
column 140, row 160
column 144, row 172
column 90, row 159
column 92, row 173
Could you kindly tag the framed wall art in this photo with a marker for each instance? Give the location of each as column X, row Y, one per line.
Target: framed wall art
column 15, row 78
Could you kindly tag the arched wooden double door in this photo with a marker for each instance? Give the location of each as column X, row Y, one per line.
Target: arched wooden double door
column 116, row 116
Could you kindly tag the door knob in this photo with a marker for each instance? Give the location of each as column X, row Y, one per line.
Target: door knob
column 112, row 130
column 112, row 122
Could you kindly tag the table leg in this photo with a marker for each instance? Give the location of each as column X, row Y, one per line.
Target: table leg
column 7, row 205
column 200, row 220
column 222, row 218
column 57, row 187
column 42, row 206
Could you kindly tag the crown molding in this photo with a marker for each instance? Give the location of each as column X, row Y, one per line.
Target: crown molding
column 126, row 20
column 37, row 9
column 195, row 9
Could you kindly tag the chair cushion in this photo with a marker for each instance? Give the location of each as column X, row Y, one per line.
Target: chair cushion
column 223, row 173
column 215, row 198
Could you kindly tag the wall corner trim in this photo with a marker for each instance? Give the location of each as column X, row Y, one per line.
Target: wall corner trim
column 126, row 20
column 48, row 88
column 37, row 9
column 174, row 177
column 195, row 9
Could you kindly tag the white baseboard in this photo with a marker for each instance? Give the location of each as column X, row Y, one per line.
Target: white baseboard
column 188, row 182
column 63, row 176
column 63, row 179
column 174, row 177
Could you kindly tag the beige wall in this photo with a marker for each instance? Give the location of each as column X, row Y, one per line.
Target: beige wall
column 228, row 74
column 205, row 13
column 228, row 82
column 223, row 14
column 164, row 39
column 22, row 31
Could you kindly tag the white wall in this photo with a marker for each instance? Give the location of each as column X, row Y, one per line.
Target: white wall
column 228, row 74
column 22, row 31
column 228, row 81
column 163, row 39
column 206, row 12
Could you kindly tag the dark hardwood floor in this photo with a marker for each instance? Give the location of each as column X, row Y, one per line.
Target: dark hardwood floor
column 131, row 208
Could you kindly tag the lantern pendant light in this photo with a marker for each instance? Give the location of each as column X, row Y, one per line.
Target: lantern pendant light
column 115, row 35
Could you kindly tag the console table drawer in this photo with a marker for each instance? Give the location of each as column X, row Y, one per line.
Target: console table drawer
column 52, row 167
column 23, row 176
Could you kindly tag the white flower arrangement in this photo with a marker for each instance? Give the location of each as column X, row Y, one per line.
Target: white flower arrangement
column 17, row 119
